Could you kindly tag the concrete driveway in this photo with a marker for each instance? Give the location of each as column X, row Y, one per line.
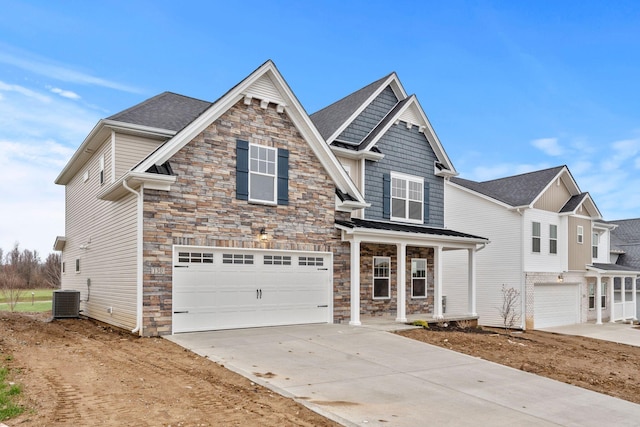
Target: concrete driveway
column 623, row 333
column 361, row 376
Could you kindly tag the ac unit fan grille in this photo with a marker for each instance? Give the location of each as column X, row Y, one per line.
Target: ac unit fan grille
column 65, row 304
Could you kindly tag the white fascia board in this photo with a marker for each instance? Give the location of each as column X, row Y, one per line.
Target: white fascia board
column 134, row 180
column 357, row 155
column 292, row 108
column 58, row 245
column 398, row 90
column 483, row 196
column 428, row 132
column 350, row 205
column 602, row 226
column 96, row 137
column 394, row 237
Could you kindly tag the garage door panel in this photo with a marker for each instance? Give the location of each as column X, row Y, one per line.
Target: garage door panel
column 220, row 295
column 556, row 305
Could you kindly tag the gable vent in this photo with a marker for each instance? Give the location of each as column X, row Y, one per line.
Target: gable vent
column 65, row 304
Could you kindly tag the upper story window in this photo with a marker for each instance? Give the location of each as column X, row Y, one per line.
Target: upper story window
column 101, row 169
column 595, row 239
column 580, row 232
column 553, row 239
column 535, row 237
column 262, row 173
column 407, row 198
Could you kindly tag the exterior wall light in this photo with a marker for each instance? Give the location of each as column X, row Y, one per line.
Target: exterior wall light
column 560, row 278
column 263, row 235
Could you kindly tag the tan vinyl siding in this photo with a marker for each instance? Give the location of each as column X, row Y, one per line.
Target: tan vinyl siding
column 554, row 198
column 131, row 150
column 109, row 230
column 579, row 253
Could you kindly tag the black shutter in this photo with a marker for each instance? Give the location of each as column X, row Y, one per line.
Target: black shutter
column 283, row 176
column 386, row 195
column 242, row 170
column 426, row 203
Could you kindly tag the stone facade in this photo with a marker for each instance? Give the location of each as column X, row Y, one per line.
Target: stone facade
column 202, row 209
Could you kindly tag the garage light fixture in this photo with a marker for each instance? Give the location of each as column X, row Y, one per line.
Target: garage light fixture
column 263, row 235
column 560, row 278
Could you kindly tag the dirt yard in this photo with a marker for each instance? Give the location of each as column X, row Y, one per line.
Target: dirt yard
column 601, row 366
column 80, row 372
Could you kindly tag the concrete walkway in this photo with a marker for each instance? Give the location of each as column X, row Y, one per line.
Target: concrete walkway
column 623, row 333
column 363, row 376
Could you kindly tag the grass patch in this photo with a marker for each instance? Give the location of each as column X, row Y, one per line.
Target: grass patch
column 25, row 295
column 27, row 307
column 8, row 394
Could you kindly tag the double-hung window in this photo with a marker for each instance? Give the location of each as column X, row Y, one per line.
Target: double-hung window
column 580, row 233
column 381, row 277
column 535, row 237
column 553, row 239
column 407, row 198
column 262, row 173
column 592, row 295
column 594, row 245
column 418, row 278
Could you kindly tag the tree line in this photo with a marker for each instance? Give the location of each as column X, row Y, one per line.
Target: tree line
column 23, row 269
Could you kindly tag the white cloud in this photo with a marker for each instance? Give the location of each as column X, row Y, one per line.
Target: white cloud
column 548, row 146
column 484, row 173
column 24, row 91
column 65, row 93
column 45, row 67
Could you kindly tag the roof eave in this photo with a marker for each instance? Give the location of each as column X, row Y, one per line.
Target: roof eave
column 357, row 155
column 150, row 181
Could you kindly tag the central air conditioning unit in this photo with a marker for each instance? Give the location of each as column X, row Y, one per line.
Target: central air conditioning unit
column 65, row 304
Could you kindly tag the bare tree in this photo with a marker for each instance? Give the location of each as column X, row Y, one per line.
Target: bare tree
column 28, row 266
column 510, row 311
column 11, row 286
column 51, row 271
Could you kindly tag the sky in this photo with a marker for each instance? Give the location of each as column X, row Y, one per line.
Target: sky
column 509, row 86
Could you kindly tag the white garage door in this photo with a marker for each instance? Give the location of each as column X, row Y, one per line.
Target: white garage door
column 556, row 305
column 222, row 288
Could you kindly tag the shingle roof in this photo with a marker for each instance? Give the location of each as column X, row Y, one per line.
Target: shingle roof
column 517, row 190
column 626, row 237
column 330, row 118
column 573, row 202
column 390, row 226
column 165, row 111
column 390, row 116
column 613, row 267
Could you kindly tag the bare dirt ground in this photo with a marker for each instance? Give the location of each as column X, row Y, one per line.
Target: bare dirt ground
column 601, row 366
column 79, row 372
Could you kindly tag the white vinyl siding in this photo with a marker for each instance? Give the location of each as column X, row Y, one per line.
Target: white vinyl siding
column 130, row 150
column 499, row 262
column 546, row 260
column 108, row 232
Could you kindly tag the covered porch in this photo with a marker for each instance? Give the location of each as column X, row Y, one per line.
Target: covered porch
column 394, row 242
column 621, row 288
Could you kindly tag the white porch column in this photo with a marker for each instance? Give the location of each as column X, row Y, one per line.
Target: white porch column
column 634, row 298
column 472, row 283
column 598, row 300
column 623, row 297
column 611, row 285
column 402, row 282
column 437, row 275
column 355, row 282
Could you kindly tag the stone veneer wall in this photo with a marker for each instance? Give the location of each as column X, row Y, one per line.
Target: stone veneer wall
column 202, row 209
column 389, row 307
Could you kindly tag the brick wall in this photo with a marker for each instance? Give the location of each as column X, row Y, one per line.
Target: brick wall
column 201, row 208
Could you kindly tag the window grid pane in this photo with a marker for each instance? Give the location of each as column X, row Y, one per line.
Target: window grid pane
column 407, row 199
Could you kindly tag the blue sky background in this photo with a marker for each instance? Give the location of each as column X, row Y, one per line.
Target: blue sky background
column 509, row 87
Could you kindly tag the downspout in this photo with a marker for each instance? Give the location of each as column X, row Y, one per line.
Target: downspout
column 139, row 254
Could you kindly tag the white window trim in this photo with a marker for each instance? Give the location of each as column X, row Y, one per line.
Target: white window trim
column 595, row 239
column 373, row 283
column 407, row 178
column 275, row 177
column 101, row 170
column 426, row 273
column 580, row 233
column 77, row 266
column 539, row 237
column 551, row 238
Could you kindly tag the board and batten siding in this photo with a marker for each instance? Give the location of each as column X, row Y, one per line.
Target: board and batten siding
column 370, row 117
column 109, row 231
column 409, row 152
column 579, row 253
column 554, row 198
column 500, row 262
column 130, row 150
column 544, row 261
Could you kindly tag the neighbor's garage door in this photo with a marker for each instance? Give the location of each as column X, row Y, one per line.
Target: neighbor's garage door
column 556, row 305
column 220, row 288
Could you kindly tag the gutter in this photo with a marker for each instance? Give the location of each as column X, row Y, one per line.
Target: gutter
column 139, row 276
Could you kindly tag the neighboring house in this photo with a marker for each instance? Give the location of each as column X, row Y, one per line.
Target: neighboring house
column 625, row 251
column 186, row 215
column 548, row 241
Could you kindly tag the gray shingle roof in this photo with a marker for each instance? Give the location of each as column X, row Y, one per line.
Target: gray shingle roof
column 613, row 267
column 165, row 111
column 517, row 190
column 573, row 202
column 391, row 226
column 390, row 116
column 330, row 118
column 626, row 237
